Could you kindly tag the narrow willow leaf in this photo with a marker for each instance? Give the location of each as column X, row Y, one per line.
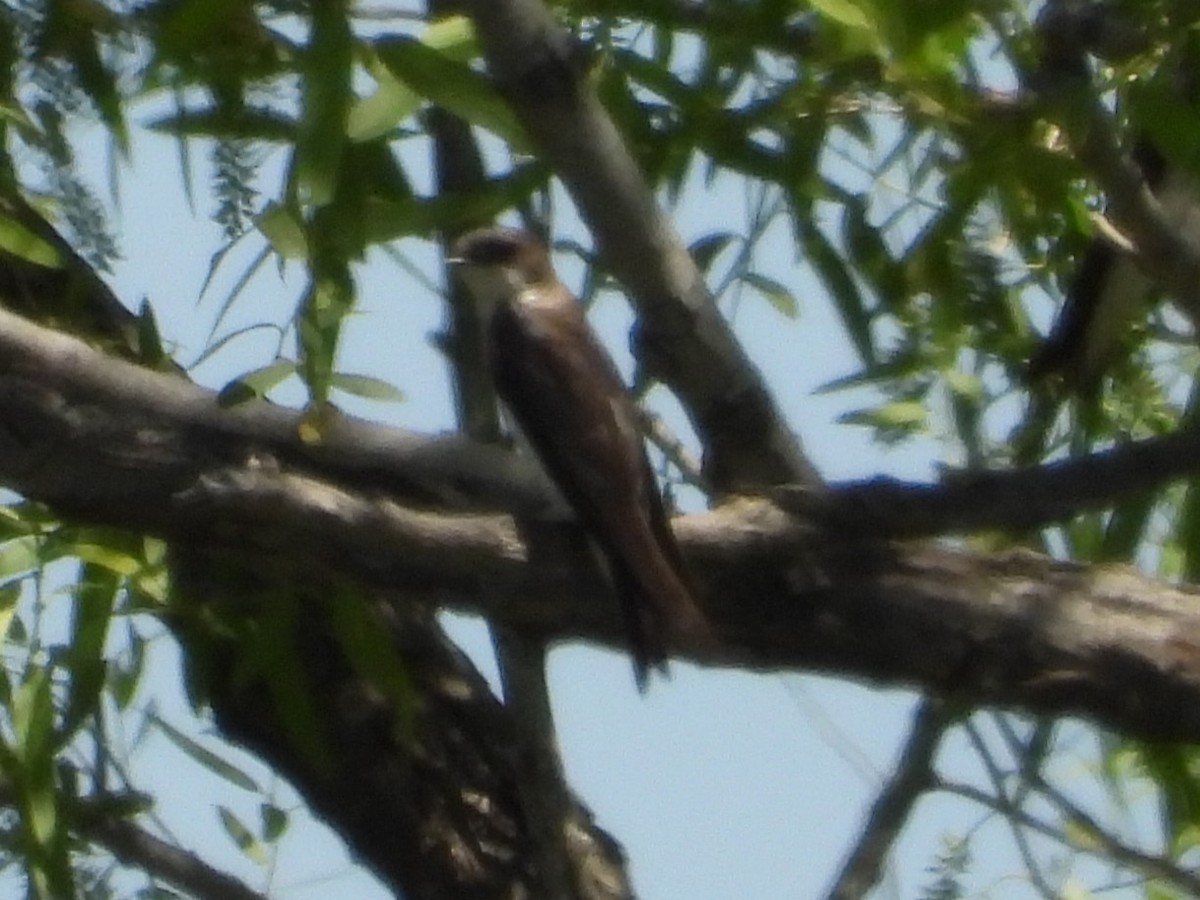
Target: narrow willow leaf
column 19, row 557
column 453, row 85
column 376, row 115
column 150, row 347
column 840, row 283
column 33, row 717
column 248, row 124
column 94, row 599
column 274, row 822
column 205, row 757
column 368, row 387
column 452, row 35
column 706, row 249
column 18, row 240
column 114, row 559
column 775, row 293
column 9, row 595
column 256, row 383
column 848, row 12
column 284, row 233
column 242, row 836
column 326, row 103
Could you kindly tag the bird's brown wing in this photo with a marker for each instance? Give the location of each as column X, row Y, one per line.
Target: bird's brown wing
column 568, row 398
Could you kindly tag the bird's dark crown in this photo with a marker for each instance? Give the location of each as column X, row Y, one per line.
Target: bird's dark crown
column 486, row 247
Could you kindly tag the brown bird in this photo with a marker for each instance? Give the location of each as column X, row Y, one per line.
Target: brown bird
column 566, row 394
column 1109, row 291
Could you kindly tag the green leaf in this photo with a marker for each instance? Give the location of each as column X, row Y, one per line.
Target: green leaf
column 376, row 115
column 326, row 303
column 775, row 293
column 1155, row 891
column 453, row 36
column 271, row 655
column 963, row 384
column 125, row 672
column 840, row 283
column 370, row 649
column 706, row 249
column 274, row 822
column 227, row 304
column 9, row 595
column 1126, row 528
column 283, row 231
column 256, row 383
column 850, row 13
column 247, row 123
column 903, row 416
column 242, row 836
column 19, row 557
column 114, row 559
column 203, row 756
column 326, row 102
column 368, row 387
column 341, row 231
column 72, row 32
column 393, row 101
column 150, row 347
column 216, row 346
column 18, row 240
column 1176, row 773
column 868, row 253
column 386, row 220
column 24, row 518
column 95, row 596
column 33, row 717
column 453, row 85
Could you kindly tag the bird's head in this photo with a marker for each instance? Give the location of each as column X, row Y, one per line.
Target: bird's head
column 498, row 264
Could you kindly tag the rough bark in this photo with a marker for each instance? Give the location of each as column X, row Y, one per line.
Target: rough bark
column 783, row 591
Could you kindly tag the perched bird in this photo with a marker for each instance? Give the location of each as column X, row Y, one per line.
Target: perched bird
column 1109, row 291
column 568, row 398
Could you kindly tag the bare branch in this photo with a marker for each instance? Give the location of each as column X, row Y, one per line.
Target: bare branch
column 95, row 820
column 1102, row 844
column 683, row 340
column 1010, row 499
column 134, row 846
column 912, row 777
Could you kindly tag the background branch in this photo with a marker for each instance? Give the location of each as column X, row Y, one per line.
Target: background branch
column 912, row 777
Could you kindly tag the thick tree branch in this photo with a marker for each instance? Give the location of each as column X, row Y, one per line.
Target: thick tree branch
column 104, row 440
column 83, row 431
column 417, row 767
column 684, row 341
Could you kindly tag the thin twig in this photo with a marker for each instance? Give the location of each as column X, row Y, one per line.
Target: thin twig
column 1105, row 846
column 911, row 778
